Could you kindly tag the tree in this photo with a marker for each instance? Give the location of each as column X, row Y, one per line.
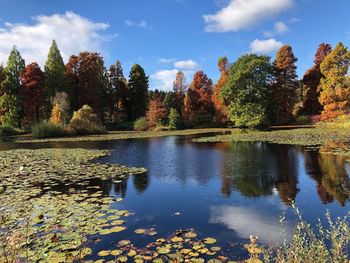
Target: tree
column 175, row 121
column 156, row 111
column 32, row 92
column 220, row 107
column 11, row 101
column 311, row 81
column 334, row 89
column 85, row 121
column 117, row 90
column 137, row 93
column 286, row 85
column 2, row 77
column 61, row 109
column 179, row 90
column 248, row 91
column 71, row 76
column 198, row 107
column 86, row 75
column 55, row 80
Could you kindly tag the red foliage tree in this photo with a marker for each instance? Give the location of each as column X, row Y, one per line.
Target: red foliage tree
column 286, row 85
column 220, row 107
column 88, row 81
column 311, row 81
column 197, row 102
column 156, row 111
column 32, row 92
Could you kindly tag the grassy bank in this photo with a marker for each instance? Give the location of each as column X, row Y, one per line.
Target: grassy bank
column 307, row 136
column 120, row 135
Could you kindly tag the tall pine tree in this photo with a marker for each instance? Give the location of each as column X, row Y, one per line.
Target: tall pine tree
column 11, row 101
column 137, row 93
column 334, row 88
column 54, row 77
column 286, row 85
column 117, row 90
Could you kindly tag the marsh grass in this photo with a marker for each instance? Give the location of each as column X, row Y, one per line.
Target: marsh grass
column 322, row 244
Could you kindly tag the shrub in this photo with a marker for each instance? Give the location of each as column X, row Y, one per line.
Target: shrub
column 302, row 120
column 46, row 129
column 6, row 131
column 85, row 121
column 141, row 124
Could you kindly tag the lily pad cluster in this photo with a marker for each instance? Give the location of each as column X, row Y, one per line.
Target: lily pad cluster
column 182, row 246
column 48, row 207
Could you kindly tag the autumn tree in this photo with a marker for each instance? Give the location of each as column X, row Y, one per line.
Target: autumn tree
column 86, row 75
column 117, row 91
column 220, row 107
column 61, row 108
column 156, row 111
column 286, row 85
column 55, row 80
column 32, row 92
column 11, row 101
column 334, row 88
column 137, row 93
column 248, row 90
column 311, row 81
column 2, row 77
column 198, row 107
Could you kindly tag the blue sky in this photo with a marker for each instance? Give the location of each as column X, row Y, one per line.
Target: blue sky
column 169, row 35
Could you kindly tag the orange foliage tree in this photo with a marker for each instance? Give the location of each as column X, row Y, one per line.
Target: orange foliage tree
column 197, row 103
column 286, row 85
column 311, row 81
column 156, row 111
column 334, row 86
column 32, row 92
column 220, row 107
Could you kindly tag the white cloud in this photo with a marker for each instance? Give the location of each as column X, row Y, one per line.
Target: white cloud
column 72, row 32
column 141, row 24
column 265, row 46
column 294, row 20
column 166, row 60
column 186, row 64
column 279, row 29
column 163, row 79
column 247, row 221
column 242, row 14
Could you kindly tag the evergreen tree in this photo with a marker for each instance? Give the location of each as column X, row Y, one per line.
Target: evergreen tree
column 55, row 80
column 117, row 90
column 137, row 93
column 286, row 85
column 334, row 88
column 311, row 81
column 11, row 101
column 248, row 91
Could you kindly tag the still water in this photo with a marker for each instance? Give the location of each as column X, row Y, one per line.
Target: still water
column 227, row 191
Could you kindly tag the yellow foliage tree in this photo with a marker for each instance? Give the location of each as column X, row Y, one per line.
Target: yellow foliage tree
column 56, row 114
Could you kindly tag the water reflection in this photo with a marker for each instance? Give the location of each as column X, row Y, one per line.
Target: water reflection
column 246, row 221
column 331, row 176
column 257, row 169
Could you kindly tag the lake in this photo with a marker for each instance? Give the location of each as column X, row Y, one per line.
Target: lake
column 227, row 191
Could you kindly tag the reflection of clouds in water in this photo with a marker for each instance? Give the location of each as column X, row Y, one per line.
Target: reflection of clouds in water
column 247, row 221
column 276, row 201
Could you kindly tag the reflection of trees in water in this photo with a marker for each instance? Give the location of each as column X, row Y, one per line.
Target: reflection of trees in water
column 255, row 169
column 141, row 182
column 287, row 179
column 331, row 176
column 120, row 188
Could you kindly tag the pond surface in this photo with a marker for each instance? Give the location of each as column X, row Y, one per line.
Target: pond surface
column 227, row 191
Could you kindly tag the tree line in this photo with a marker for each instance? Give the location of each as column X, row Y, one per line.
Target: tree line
column 253, row 91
